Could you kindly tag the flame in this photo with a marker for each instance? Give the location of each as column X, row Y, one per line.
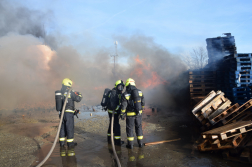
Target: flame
column 44, row 55
column 47, row 55
column 149, row 77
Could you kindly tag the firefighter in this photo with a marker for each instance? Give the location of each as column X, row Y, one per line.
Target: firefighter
column 119, row 85
column 67, row 127
column 132, row 105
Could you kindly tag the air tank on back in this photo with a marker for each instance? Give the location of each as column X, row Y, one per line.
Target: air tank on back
column 58, row 100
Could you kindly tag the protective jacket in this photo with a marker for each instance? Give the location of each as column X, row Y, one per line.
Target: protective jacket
column 117, row 110
column 132, row 101
column 73, row 96
column 117, row 127
column 133, row 104
column 67, row 127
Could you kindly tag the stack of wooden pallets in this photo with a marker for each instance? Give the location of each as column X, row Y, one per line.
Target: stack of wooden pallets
column 211, row 106
column 234, row 77
column 201, row 83
column 230, row 125
column 218, row 48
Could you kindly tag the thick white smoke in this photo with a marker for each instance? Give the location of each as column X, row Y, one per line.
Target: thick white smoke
column 31, row 72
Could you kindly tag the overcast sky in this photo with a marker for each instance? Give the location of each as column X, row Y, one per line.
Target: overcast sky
column 177, row 25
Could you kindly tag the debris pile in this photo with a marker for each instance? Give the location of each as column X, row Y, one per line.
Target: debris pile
column 228, row 126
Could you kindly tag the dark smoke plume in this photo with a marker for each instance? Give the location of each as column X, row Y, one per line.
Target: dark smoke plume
column 21, row 20
column 31, row 72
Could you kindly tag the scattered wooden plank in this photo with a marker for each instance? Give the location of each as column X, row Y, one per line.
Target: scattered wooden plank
column 237, row 112
column 222, row 108
column 243, row 116
column 213, row 105
column 217, row 144
column 228, row 131
column 225, row 113
column 203, row 102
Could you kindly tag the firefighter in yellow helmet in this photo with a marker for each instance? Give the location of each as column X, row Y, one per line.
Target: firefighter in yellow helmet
column 115, row 92
column 132, row 104
column 67, row 127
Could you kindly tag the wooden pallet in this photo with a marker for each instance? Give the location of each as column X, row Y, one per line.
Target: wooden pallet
column 237, row 112
column 243, row 116
column 202, row 80
column 202, row 85
column 213, row 105
column 220, row 109
column 192, row 95
column 203, row 102
column 192, row 77
column 224, row 114
column 217, row 144
column 228, row 131
column 201, row 89
column 202, row 72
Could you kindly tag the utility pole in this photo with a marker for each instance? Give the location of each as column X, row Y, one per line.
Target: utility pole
column 114, row 71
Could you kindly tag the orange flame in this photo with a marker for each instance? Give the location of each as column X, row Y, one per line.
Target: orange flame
column 150, row 78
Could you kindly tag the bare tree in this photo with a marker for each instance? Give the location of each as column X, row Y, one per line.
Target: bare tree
column 197, row 59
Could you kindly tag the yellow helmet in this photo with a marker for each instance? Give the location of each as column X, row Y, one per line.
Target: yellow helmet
column 130, row 81
column 119, row 82
column 67, row 82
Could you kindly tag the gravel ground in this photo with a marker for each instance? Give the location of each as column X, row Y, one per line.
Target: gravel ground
column 25, row 141
column 21, row 136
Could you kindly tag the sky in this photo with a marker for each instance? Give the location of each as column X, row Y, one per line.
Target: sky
column 153, row 37
column 179, row 26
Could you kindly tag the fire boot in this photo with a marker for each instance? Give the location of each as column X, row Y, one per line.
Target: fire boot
column 109, row 139
column 70, row 152
column 71, row 144
column 118, row 142
column 62, row 143
column 130, row 145
column 62, row 151
column 140, row 143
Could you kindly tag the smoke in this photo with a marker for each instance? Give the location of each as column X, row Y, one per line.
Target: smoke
column 31, row 72
column 21, row 20
column 156, row 71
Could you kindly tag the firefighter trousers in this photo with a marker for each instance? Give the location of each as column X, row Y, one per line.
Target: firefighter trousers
column 67, row 129
column 116, row 129
column 131, row 122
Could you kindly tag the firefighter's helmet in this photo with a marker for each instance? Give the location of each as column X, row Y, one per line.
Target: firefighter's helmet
column 130, row 81
column 119, row 85
column 67, row 82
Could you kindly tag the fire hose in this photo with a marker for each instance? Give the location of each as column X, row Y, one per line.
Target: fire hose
column 112, row 139
column 57, row 135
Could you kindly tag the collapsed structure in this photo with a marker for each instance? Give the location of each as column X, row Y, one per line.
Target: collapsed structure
column 225, row 114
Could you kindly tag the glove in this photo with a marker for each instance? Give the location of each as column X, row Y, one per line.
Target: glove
column 122, row 116
column 76, row 111
column 137, row 112
column 78, row 94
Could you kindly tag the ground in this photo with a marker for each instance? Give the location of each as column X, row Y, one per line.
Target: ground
column 26, row 140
